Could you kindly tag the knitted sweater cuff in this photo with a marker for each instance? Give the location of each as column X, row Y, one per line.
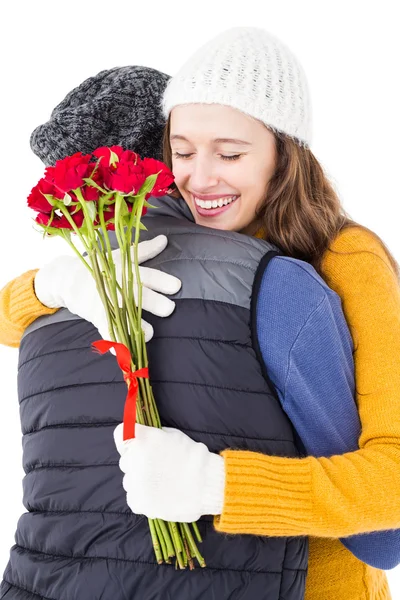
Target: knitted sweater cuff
column 19, row 307
column 266, row 495
column 29, row 306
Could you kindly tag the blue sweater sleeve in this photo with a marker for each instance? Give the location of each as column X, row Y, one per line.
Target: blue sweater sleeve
column 307, row 350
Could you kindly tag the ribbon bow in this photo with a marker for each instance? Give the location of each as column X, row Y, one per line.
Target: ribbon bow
column 124, row 361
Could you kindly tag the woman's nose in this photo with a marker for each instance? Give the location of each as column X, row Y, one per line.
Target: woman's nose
column 203, row 175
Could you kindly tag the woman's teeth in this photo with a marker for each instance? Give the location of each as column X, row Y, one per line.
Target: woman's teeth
column 214, row 203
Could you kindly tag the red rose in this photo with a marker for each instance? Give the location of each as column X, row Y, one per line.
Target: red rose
column 37, row 201
column 105, row 153
column 49, row 177
column 164, row 180
column 109, row 213
column 77, row 218
column 42, row 218
column 105, row 173
column 60, row 222
column 89, row 192
column 127, row 178
column 129, row 156
column 69, row 173
column 107, row 170
column 123, row 155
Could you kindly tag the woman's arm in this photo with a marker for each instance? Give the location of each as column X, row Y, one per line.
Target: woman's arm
column 320, row 405
column 19, row 307
column 63, row 282
column 337, row 496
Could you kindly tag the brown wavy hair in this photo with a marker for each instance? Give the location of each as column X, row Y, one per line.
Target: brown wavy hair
column 301, row 213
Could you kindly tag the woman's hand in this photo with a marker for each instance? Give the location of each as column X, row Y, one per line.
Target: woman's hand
column 66, row 282
column 169, row 476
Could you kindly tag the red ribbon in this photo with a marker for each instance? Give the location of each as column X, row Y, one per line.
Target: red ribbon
column 124, row 361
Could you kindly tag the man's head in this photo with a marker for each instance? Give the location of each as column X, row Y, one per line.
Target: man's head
column 119, row 106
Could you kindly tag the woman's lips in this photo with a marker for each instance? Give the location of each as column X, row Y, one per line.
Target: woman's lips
column 212, row 212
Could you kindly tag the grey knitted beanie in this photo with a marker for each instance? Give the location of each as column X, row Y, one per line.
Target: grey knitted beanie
column 119, row 106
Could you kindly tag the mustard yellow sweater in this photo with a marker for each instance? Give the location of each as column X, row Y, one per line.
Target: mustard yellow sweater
column 324, row 498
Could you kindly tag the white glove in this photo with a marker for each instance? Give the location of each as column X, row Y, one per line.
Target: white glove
column 169, row 476
column 66, row 282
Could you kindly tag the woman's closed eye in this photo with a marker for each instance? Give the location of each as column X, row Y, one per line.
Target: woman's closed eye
column 233, row 157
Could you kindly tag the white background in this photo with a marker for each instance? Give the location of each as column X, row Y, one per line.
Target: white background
column 350, row 51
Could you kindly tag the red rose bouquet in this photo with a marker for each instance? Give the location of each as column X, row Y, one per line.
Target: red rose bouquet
column 87, row 195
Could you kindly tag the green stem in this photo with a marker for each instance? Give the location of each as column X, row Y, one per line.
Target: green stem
column 108, row 278
column 156, row 545
column 102, row 292
column 126, row 254
column 123, row 250
column 192, row 545
column 108, row 261
column 177, row 536
column 141, row 348
column 188, row 554
column 151, row 417
column 139, row 210
column 105, row 235
column 177, row 553
column 161, row 541
column 66, row 214
column 167, row 538
column 75, row 249
column 197, row 532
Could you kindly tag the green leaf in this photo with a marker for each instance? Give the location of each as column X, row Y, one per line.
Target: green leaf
column 148, row 205
column 109, row 198
column 83, row 229
column 92, row 183
column 96, row 166
column 148, row 185
column 51, row 219
column 91, row 210
column 51, row 200
column 77, row 209
column 113, row 158
column 51, row 230
column 141, row 226
column 124, row 208
column 67, row 235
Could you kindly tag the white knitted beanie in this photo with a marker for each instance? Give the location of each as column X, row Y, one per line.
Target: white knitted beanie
column 249, row 69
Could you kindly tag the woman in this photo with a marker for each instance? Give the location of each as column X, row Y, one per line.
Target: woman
column 290, row 203
column 298, row 244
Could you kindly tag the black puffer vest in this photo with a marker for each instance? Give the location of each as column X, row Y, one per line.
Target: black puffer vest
column 78, row 539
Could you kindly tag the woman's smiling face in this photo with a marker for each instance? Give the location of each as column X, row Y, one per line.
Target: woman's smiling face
column 221, row 192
